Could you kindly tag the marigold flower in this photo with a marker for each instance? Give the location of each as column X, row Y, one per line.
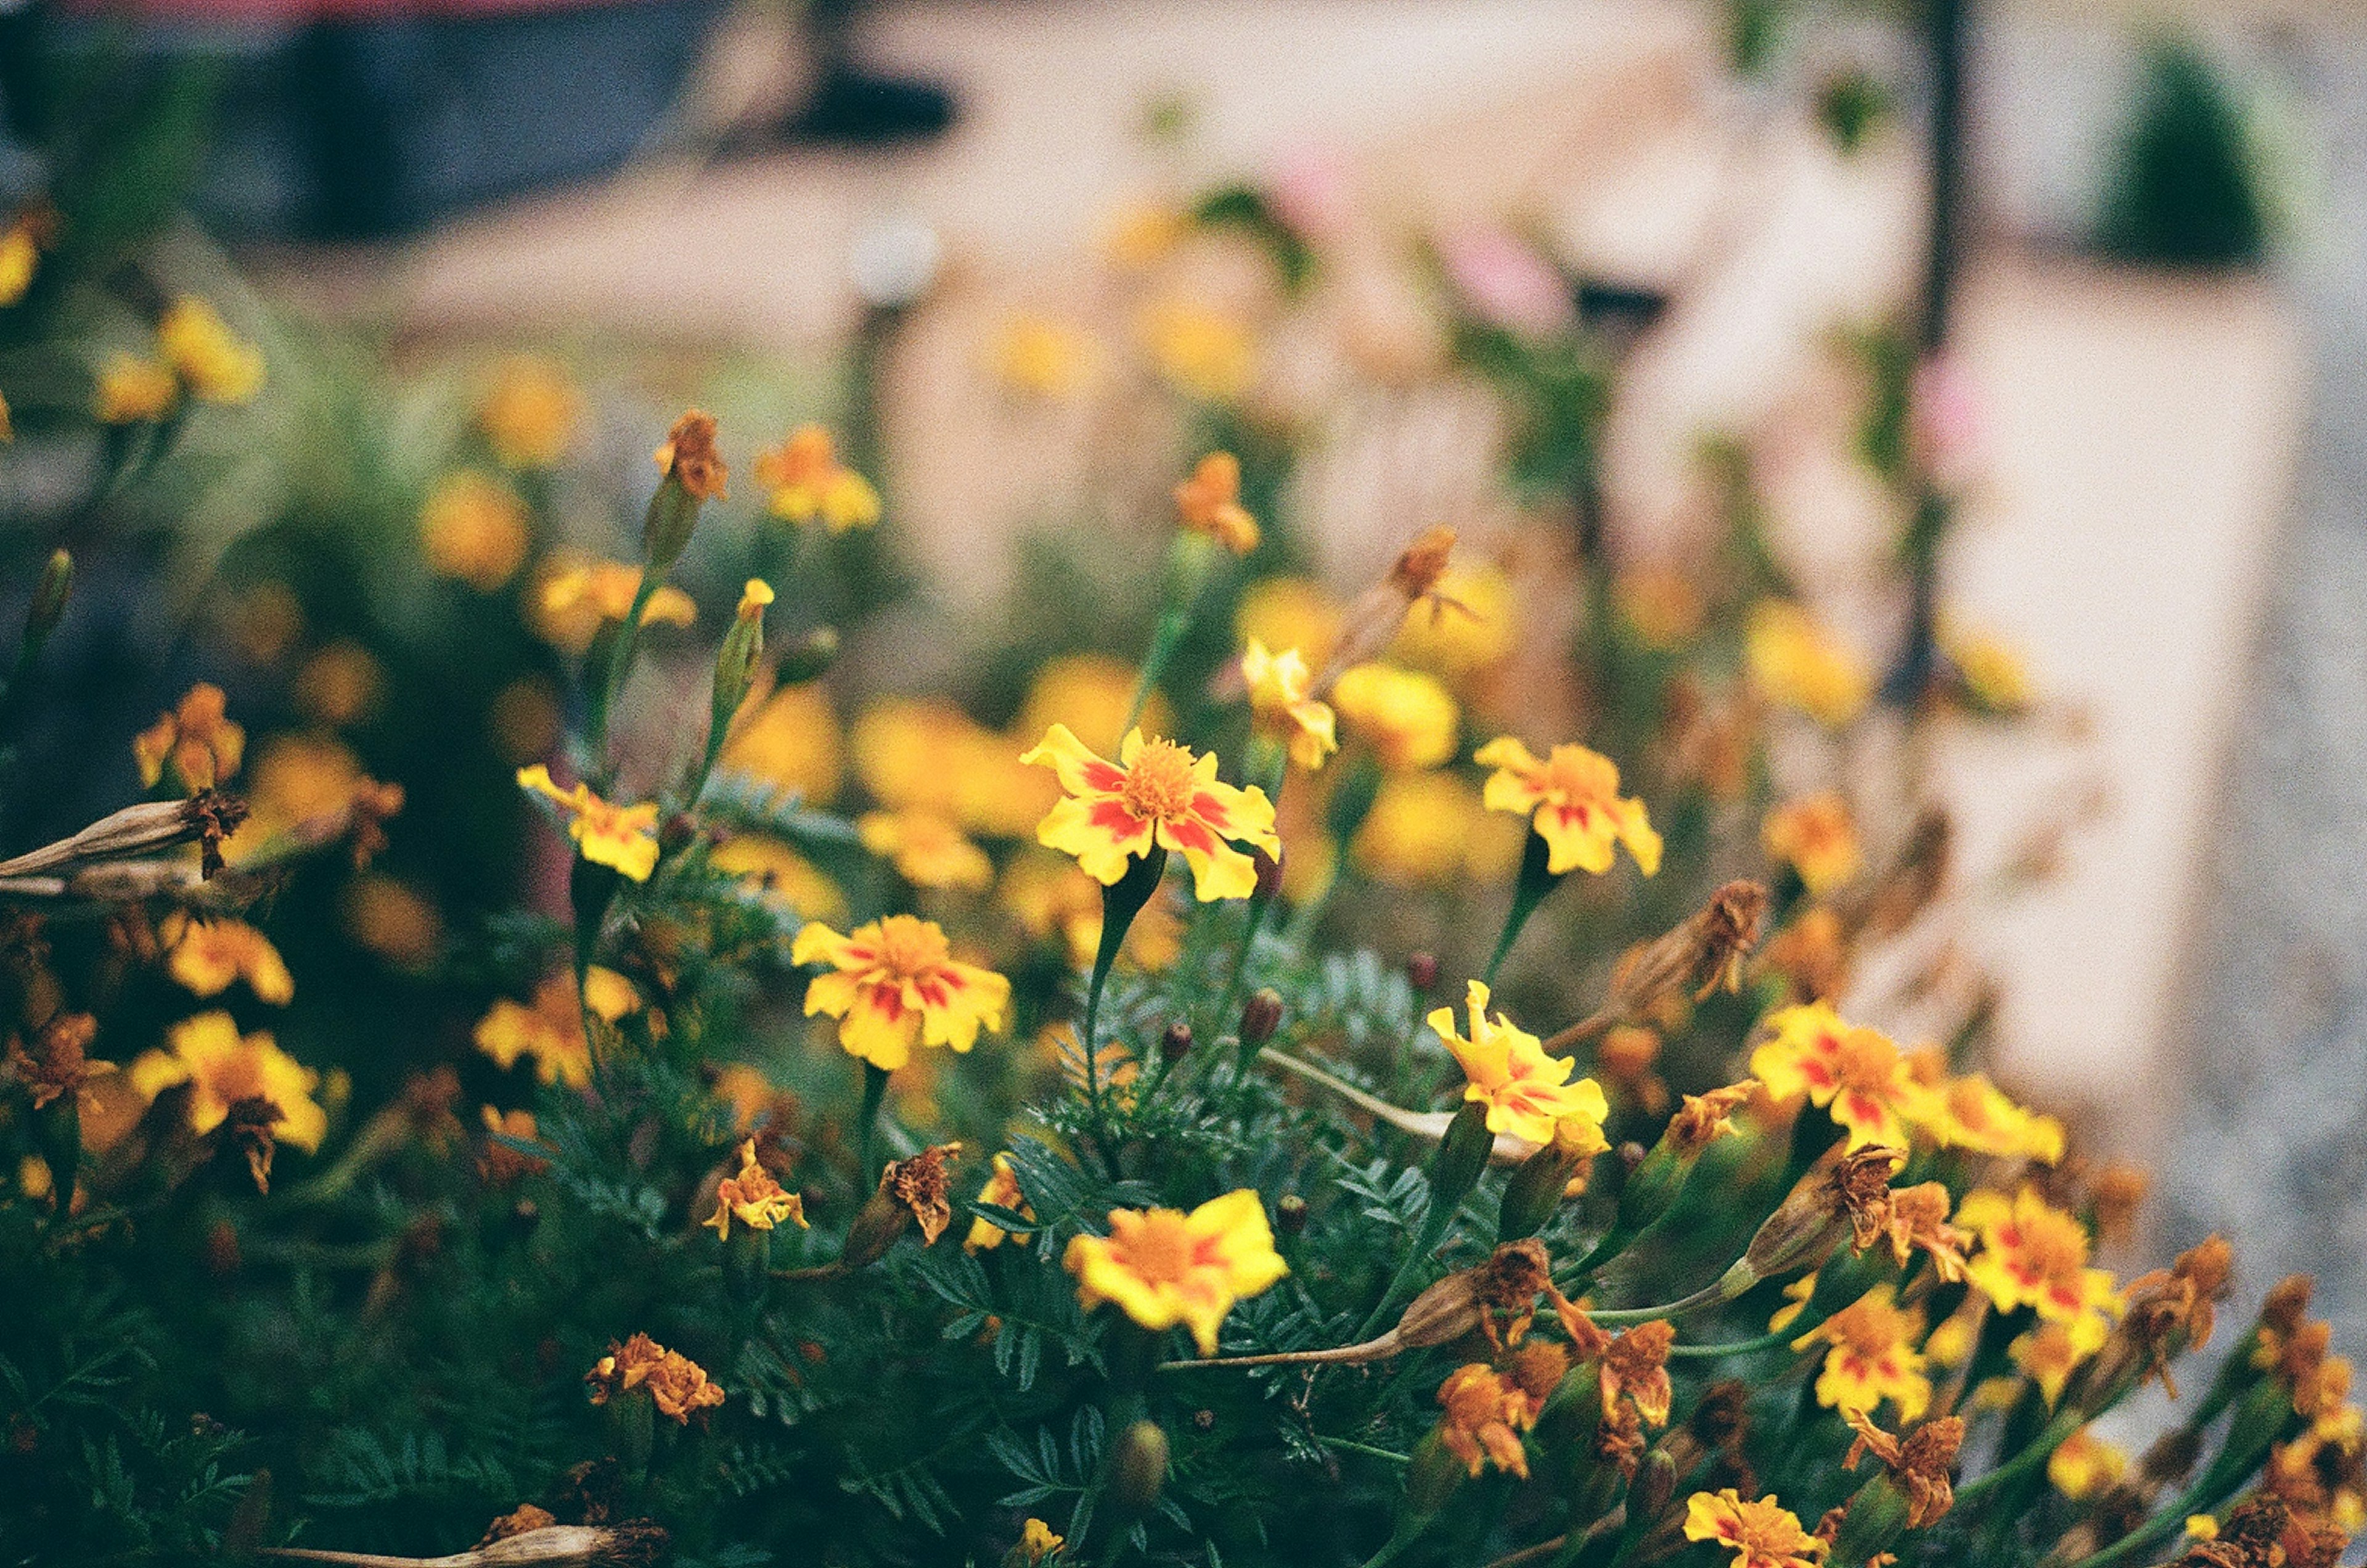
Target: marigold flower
column 1872, row 1356
column 1092, row 694
column 676, row 1384
column 1203, row 353
column 530, row 412
column 688, row 457
column 1461, row 625
column 1994, row 673
column 2083, row 1462
column 789, row 739
column 1284, row 712
column 1795, row 661
column 58, row 1065
column 314, row 783
column 1037, row 1543
column 1816, row 836
column 623, row 838
column 1572, row 799
column 807, row 481
column 1970, row 1112
column 2051, row 1352
column 1210, row 502
column 1761, row 1535
column 1406, row 717
column 1917, row 1217
column 1527, row 1092
column 1290, row 612
column 198, row 738
column 1854, row 1072
column 1044, row 357
column 20, row 254
column 1485, row 1417
column 894, row 983
column 754, row 1197
column 1156, row 793
column 2034, row 1254
column 1923, row 1464
column 132, row 390
column 1635, row 1366
column 226, row 1070
column 474, row 528
column 500, row 1164
column 923, row 1188
column 1427, row 830
column 575, row 602
column 1002, row 1189
column 212, row 361
column 208, row 954
column 928, row 850
column 551, row 1029
column 1052, row 896
column 1163, row 1267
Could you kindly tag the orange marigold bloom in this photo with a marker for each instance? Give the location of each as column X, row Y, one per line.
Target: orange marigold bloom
column 2049, row 1354
column 474, row 528
column 807, row 481
column 1284, row 712
column 894, row 983
column 1157, row 792
column 208, row 954
column 551, row 1030
column 1873, row 1357
column 1572, row 799
column 577, row 600
column 928, row 851
column 688, row 456
column 1527, row 1092
column 1795, row 661
column 622, row 837
column 1406, row 717
column 530, row 413
column 2084, row 1462
column 1970, row 1112
column 2034, row 1254
column 228, row 1072
column 212, row 361
column 1210, row 502
column 1163, row 1266
column 1002, row 1189
column 1856, row 1073
column 1485, row 1417
column 676, row 1383
column 198, row 738
column 1761, row 1535
column 58, row 1064
column 1817, row 837
column 754, row 1197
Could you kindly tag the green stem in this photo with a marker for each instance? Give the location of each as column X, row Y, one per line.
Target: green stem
column 2052, row 1437
column 1389, row 1454
column 875, row 1091
column 1745, row 1347
column 1192, row 556
column 1527, row 894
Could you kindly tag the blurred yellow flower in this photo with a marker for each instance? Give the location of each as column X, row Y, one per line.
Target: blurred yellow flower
column 1289, row 612
column 198, row 738
column 225, row 1069
column 1407, row 717
column 1092, row 694
column 2083, row 1462
column 339, row 684
column 893, row 984
column 207, row 956
column 1002, row 1189
column 1045, row 357
column 131, row 390
column 1204, row 353
column 623, row 838
column 1795, row 661
column 1430, row 828
column 1050, row 895
column 776, row 868
column 807, row 481
column 1662, row 606
column 1994, row 672
column 1163, row 1267
column 790, row 741
column 297, row 779
column 2050, row 1353
column 576, row 599
column 212, row 361
column 530, row 412
column 1505, row 1067
column 927, row 850
column 1157, row 792
column 1572, row 799
column 551, row 1030
column 1210, row 502
column 1816, row 836
column 394, row 921
column 1465, row 628
column 1284, row 712
column 1137, row 234
column 474, row 528
column 20, row 254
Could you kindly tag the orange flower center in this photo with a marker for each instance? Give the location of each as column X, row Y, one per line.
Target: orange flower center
column 1572, row 778
column 1159, row 1249
column 1159, row 786
column 2046, row 1247
column 1864, row 1059
column 908, row 948
column 233, row 1078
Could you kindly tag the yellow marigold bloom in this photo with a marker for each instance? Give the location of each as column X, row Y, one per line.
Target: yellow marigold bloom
column 1527, row 1092
column 1157, row 792
column 1970, row 1112
column 928, row 850
column 1037, row 1543
column 688, row 457
column 776, row 868
column 2201, row 1527
column 807, row 481
column 754, row 1198
column 1953, row 1341
column 926, row 755
column 1044, row 357
column 1993, row 670
column 1795, row 1302
column 1092, row 694
column 1429, row 829
column 1163, row 1266
column 198, row 738
column 1002, row 1189
column 1463, row 627
column 1204, row 353
column 609, row 995
column 1486, row 1415
column 622, row 837
column 133, row 391
column 530, row 412
column 1761, row 1535
column 1210, row 502
column 1664, row 608
column 790, row 741
column 208, row 954
column 224, row 1069
column 1284, row 712
column 1572, row 799
column 1290, row 612
column 1795, row 661
column 1817, row 837
column 212, row 361
column 676, row 1384
column 474, row 528
column 575, row 600
column 1855, row 1072
column 1139, row 233
column 2083, row 1462
column 550, row 1029
column 300, row 779
column 20, row 254
column 2050, row 1353
column 2034, row 1254
column 1873, row 1357
column 1406, row 717
column 893, row 982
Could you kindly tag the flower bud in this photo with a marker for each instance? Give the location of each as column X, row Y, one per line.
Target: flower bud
column 876, row 1225
column 1655, row 1483
column 1462, row 1156
column 1421, row 971
column 1538, row 1187
column 735, row 661
column 694, row 474
column 1138, row 1466
column 1440, row 1314
column 49, row 595
column 1175, row 1041
column 1290, row 1214
column 806, row 658
column 1260, row 1016
column 1269, row 873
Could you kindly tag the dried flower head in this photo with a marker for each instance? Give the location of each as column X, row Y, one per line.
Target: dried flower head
column 56, row 1063
column 1209, row 503
column 1484, row 1420
column 676, row 1384
column 1635, row 1365
column 688, row 456
column 1924, row 1464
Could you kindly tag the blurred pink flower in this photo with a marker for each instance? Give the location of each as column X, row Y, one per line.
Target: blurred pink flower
column 1947, row 427
column 1310, row 191
column 1506, row 283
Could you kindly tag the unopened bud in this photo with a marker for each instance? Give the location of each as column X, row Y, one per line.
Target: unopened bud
column 808, row 658
column 1538, row 1187
column 49, row 595
column 1175, row 1041
column 1260, row 1016
column 1421, row 971
column 1138, row 1466
column 735, row 661
column 1462, row 1156
column 1431, row 1479
column 1440, row 1314
column 1290, row 1214
column 1655, row 1483
column 1269, row 873
column 876, row 1225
